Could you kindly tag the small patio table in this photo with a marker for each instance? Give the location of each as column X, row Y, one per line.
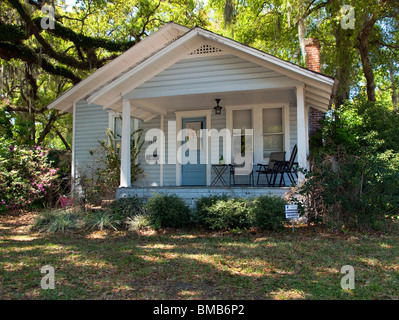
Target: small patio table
column 219, row 170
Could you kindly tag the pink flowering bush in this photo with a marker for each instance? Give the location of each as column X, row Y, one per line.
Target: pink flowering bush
column 25, row 176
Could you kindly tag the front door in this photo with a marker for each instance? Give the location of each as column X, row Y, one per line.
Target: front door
column 194, row 166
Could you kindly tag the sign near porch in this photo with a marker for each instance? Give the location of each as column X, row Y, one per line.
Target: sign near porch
column 291, row 211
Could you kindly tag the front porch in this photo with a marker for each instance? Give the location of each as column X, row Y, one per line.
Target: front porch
column 191, row 194
column 264, row 110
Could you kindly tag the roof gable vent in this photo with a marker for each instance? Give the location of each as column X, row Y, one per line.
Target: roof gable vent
column 205, row 49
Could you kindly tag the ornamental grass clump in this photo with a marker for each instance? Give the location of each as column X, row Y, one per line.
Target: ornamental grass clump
column 102, row 220
column 50, row 221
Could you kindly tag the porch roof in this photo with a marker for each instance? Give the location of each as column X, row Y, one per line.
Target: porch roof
column 129, row 59
column 116, row 83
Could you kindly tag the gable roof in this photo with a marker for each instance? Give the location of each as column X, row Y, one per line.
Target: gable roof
column 168, row 45
column 132, row 57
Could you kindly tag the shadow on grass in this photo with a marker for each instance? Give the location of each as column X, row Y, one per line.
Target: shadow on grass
column 197, row 265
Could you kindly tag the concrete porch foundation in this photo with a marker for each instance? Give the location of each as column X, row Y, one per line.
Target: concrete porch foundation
column 191, row 194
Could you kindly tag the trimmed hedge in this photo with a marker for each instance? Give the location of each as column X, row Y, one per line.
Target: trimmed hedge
column 216, row 212
column 224, row 213
column 268, row 212
column 233, row 213
column 168, row 211
column 201, row 214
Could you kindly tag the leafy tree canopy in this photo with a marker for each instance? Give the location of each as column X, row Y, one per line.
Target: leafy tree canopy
column 37, row 63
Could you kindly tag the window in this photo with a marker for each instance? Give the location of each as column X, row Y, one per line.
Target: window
column 273, row 131
column 242, row 119
column 117, row 128
column 243, row 138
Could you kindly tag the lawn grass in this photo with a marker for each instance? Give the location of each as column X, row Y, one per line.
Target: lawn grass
column 191, row 264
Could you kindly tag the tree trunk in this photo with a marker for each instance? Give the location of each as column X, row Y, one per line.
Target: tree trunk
column 344, row 69
column 47, row 128
column 301, row 36
column 393, row 82
column 363, row 46
column 66, row 144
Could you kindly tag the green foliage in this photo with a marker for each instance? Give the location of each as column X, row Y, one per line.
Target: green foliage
column 26, row 176
column 268, row 212
column 355, row 173
column 274, row 27
column 100, row 182
column 37, row 65
column 140, row 221
column 163, row 211
column 221, row 213
column 50, row 221
column 126, row 208
column 122, row 214
column 202, row 207
column 101, row 220
column 110, row 155
column 168, row 211
column 229, row 214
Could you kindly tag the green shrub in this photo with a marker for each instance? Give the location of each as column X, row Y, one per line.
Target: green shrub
column 202, row 207
column 55, row 220
column 224, row 213
column 26, row 176
column 354, row 178
column 168, row 211
column 268, row 212
column 100, row 181
column 229, row 214
column 126, row 207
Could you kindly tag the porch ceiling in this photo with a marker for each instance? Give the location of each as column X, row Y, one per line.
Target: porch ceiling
column 146, row 109
column 228, row 99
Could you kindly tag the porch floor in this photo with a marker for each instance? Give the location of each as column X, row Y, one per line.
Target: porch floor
column 191, row 193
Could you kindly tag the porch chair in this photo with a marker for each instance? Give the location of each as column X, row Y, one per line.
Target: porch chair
column 287, row 167
column 233, row 173
column 267, row 169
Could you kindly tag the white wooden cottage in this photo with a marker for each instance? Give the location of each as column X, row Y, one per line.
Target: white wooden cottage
column 170, row 81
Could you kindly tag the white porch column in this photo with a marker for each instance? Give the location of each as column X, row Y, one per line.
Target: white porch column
column 302, row 142
column 162, row 151
column 125, row 147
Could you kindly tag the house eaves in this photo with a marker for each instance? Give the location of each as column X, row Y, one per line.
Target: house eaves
column 127, row 60
column 111, row 92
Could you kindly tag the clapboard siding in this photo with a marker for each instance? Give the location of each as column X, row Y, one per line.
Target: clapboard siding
column 151, row 171
column 91, row 122
column 208, row 74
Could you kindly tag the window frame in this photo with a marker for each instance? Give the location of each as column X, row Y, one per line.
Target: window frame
column 283, row 125
column 257, row 126
column 112, row 116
